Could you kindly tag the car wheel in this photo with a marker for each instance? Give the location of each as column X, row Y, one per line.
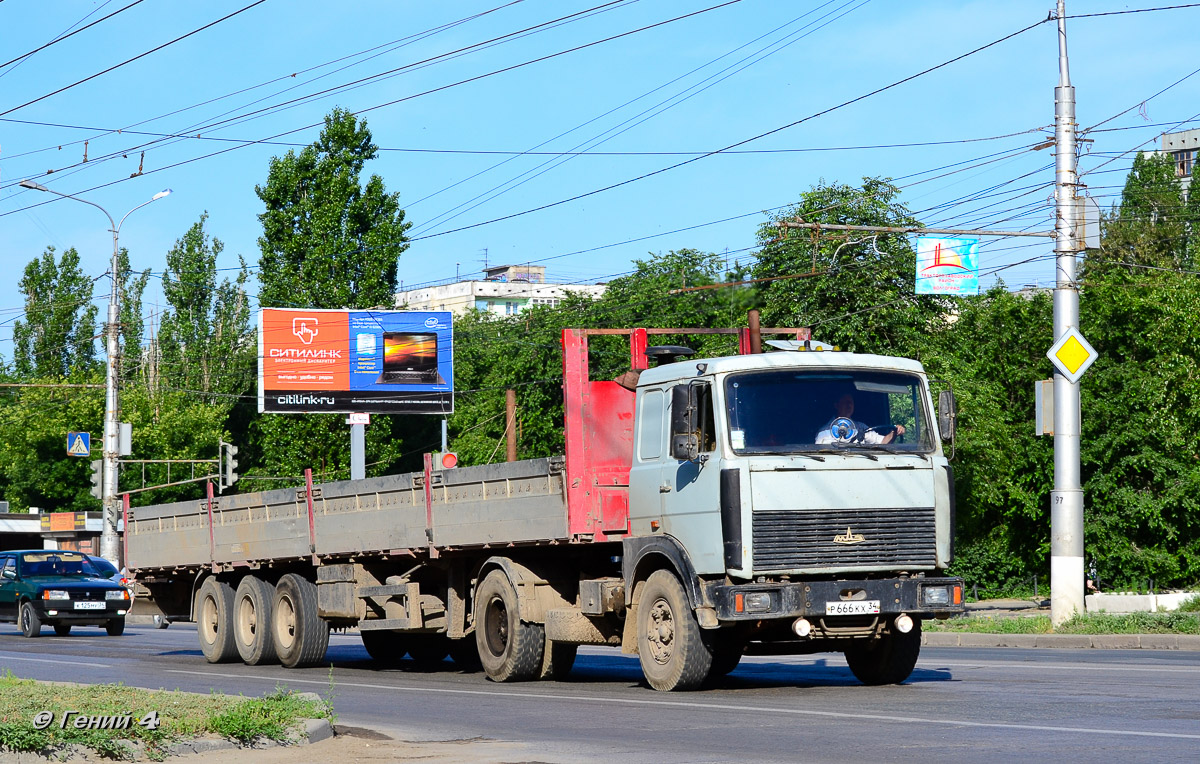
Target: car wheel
column 161, row 622
column 115, row 627
column 31, row 625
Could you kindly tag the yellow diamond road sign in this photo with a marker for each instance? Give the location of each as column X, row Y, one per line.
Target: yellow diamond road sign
column 1072, row 354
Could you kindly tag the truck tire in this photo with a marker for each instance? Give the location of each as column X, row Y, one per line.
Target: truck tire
column 671, row 646
column 31, row 625
column 252, row 621
column 510, row 651
column 386, row 648
column 214, row 621
column 465, row 654
column 559, row 659
column 888, row 660
column 428, row 650
column 300, row 636
column 727, row 650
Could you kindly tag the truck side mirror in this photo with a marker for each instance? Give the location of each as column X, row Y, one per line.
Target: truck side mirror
column 10, row 573
column 685, row 443
column 947, row 414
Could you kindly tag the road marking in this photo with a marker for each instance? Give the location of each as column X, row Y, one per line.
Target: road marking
column 710, row 707
column 11, row 657
column 929, row 664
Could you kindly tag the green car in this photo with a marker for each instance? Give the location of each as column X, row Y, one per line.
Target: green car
column 59, row 588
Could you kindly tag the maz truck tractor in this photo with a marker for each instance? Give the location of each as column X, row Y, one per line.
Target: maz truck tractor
column 789, row 502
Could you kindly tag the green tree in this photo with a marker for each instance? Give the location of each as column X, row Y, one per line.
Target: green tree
column 854, row 290
column 132, row 287
column 34, row 466
column 58, row 334
column 205, row 342
column 328, row 241
column 1151, row 223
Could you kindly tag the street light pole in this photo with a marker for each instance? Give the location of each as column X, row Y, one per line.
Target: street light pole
column 1066, row 500
column 109, row 549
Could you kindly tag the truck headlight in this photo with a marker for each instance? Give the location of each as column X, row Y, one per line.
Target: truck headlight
column 758, row 601
column 935, row 595
column 122, row 594
column 56, row 594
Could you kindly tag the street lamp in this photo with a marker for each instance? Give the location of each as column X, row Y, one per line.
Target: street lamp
column 108, row 536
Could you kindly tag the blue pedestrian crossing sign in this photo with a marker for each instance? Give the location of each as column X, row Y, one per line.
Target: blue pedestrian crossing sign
column 79, row 444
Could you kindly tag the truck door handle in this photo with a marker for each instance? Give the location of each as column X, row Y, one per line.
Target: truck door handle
column 664, row 488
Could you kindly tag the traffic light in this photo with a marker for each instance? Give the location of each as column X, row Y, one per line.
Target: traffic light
column 228, row 465
column 98, row 478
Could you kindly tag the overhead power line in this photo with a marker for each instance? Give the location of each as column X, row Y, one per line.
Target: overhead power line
column 131, row 60
column 59, row 39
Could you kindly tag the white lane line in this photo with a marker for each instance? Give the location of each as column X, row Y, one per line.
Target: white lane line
column 64, row 659
column 932, row 663
column 710, row 707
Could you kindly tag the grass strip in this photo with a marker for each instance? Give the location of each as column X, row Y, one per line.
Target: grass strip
column 1174, row 622
column 156, row 718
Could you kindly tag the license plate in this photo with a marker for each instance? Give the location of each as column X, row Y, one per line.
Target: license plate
column 89, row 605
column 854, row 607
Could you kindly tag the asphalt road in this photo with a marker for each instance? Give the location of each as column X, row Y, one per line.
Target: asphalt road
column 961, row 704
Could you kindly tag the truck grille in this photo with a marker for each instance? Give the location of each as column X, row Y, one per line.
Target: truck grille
column 896, row 538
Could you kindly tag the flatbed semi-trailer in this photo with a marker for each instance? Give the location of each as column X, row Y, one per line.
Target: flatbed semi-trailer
column 703, row 513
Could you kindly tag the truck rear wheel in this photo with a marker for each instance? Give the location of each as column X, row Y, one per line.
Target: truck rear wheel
column 560, row 658
column 301, row 637
column 384, row 647
column 252, row 621
column 510, row 651
column 671, row 647
column 214, row 621
column 888, row 660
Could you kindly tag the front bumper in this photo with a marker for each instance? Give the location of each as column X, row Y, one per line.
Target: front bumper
column 795, row 599
column 63, row 611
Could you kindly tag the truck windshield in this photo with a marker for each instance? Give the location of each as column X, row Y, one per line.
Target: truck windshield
column 796, row 411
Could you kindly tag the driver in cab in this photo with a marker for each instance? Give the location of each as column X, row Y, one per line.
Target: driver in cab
column 844, row 429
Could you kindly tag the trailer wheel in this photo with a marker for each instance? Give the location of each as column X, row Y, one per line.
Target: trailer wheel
column 671, row 647
column 301, row 637
column 385, row 647
column 252, row 621
column 214, row 621
column 510, row 651
column 888, row 660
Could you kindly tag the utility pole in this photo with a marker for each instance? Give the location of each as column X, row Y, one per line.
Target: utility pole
column 1066, row 500
column 109, row 548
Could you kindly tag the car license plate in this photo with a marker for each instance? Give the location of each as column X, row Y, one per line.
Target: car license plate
column 89, row 605
column 852, row 607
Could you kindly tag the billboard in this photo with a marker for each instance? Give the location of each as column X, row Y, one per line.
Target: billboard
column 947, row 265
column 352, row 361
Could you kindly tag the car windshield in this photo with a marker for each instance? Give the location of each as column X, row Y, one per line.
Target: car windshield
column 56, row 563
column 102, row 565
column 794, row 412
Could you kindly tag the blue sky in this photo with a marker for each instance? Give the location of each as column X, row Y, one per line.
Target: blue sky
column 637, row 98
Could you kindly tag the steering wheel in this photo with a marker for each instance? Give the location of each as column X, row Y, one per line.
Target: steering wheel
column 883, row 429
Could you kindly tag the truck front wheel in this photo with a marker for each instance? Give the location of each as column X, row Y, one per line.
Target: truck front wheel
column 510, row 650
column 671, row 647
column 887, row 660
column 301, row 637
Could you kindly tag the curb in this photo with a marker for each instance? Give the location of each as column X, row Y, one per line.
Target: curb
column 1076, row 641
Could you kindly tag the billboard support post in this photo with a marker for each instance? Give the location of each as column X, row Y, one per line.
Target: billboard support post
column 358, row 449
